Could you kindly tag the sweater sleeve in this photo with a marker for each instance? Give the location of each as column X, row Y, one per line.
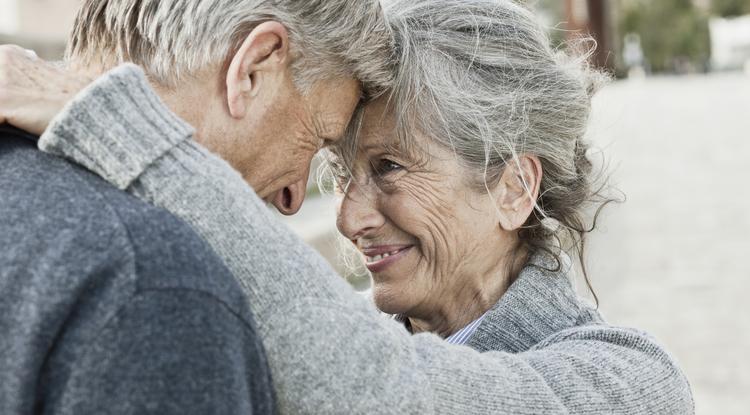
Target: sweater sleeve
column 329, row 350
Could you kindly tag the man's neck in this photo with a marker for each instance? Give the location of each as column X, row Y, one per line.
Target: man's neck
column 190, row 104
column 187, row 102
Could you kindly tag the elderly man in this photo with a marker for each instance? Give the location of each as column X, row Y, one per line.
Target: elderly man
column 281, row 76
column 263, row 84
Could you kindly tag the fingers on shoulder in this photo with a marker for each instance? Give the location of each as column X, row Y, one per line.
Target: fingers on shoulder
column 11, row 57
column 9, row 54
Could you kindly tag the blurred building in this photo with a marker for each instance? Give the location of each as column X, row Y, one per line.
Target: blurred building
column 48, row 20
column 730, row 42
column 42, row 25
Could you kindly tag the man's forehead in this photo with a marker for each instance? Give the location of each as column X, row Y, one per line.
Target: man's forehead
column 333, row 110
column 334, row 92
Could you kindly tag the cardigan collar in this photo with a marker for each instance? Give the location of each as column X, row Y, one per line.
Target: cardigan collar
column 541, row 302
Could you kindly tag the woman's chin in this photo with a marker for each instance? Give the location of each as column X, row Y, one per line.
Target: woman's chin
column 389, row 299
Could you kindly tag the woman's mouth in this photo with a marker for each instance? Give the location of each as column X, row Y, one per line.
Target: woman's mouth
column 377, row 259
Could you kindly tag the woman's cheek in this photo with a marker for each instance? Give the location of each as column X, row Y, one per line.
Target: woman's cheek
column 436, row 232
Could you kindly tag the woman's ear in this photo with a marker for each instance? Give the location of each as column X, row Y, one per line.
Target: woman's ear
column 518, row 190
column 262, row 59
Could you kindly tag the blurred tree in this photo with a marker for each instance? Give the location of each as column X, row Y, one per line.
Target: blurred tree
column 674, row 33
column 570, row 22
column 729, row 8
column 552, row 14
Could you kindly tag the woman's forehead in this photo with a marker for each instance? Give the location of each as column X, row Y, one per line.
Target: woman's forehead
column 378, row 128
column 378, row 116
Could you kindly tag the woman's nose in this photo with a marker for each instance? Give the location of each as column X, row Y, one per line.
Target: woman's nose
column 357, row 213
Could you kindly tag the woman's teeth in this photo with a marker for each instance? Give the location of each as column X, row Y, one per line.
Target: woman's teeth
column 376, row 258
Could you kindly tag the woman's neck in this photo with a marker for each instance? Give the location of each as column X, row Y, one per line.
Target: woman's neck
column 477, row 295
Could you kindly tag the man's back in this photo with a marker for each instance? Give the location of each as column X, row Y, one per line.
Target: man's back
column 108, row 305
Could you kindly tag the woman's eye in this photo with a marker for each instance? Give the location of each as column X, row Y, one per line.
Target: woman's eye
column 385, row 166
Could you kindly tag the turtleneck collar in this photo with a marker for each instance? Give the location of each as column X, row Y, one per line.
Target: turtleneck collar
column 541, row 302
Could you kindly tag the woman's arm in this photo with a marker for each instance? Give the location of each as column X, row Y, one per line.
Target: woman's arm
column 329, row 350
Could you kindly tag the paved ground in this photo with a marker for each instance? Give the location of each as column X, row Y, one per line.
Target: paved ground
column 675, row 258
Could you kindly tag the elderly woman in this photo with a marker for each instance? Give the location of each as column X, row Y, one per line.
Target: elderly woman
column 471, row 169
column 462, row 189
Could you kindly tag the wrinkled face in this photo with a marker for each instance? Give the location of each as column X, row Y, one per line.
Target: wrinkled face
column 425, row 233
column 287, row 129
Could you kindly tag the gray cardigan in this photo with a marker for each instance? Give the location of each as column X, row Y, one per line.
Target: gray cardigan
column 539, row 351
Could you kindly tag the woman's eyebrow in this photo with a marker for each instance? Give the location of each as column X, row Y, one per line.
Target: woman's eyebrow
column 374, row 146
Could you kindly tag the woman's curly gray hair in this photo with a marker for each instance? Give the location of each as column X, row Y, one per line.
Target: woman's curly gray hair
column 481, row 78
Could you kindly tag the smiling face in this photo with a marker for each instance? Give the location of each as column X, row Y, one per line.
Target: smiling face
column 431, row 240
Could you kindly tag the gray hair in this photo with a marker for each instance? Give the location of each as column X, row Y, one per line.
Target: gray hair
column 176, row 39
column 481, row 78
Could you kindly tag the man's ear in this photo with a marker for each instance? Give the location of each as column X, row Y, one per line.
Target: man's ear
column 518, row 190
column 263, row 56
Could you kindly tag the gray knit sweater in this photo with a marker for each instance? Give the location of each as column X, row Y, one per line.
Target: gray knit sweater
column 539, row 351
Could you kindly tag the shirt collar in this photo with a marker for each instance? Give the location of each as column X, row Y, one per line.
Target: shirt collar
column 459, row 337
column 463, row 335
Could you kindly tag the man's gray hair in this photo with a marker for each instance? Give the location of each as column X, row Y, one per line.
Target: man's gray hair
column 175, row 39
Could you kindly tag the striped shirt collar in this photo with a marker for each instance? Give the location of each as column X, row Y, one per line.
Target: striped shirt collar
column 460, row 337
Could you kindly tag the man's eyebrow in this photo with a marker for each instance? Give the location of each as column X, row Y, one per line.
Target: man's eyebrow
column 328, row 131
column 328, row 140
column 331, row 137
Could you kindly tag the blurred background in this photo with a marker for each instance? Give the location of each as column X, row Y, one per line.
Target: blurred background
column 674, row 129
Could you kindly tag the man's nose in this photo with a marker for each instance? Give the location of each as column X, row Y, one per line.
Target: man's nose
column 289, row 200
column 358, row 214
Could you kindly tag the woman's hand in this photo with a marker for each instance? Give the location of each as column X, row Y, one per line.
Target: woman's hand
column 33, row 91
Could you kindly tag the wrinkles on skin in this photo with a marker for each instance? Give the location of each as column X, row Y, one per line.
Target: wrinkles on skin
column 273, row 146
column 459, row 265
column 301, row 130
column 454, row 294
column 33, row 91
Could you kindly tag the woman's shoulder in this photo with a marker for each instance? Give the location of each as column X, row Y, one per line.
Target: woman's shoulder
column 543, row 322
column 541, row 302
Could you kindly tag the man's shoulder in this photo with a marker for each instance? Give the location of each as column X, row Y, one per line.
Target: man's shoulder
column 62, row 220
column 99, row 289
